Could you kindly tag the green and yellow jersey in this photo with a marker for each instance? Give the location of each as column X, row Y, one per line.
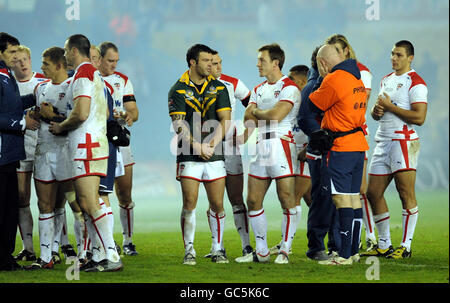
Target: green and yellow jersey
column 200, row 106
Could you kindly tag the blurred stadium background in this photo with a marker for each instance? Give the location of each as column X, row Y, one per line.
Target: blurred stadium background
column 153, row 36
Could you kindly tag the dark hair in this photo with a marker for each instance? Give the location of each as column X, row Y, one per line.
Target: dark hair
column 195, row 50
column 300, row 70
column 104, row 46
column 56, row 55
column 275, row 53
column 314, row 57
column 409, row 48
column 81, row 43
column 6, row 39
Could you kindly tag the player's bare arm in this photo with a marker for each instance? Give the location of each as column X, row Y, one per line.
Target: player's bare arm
column 219, row 133
column 182, row 130
column 78, row 115
column 278, row 112
column 131, row 112
column 416, row 115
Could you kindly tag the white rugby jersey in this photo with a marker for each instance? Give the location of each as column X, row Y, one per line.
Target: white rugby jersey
column 404, row 90
column 55, row 94
column 266, row 95
column 123, row 89
column 236, row 90
column 88, row 141
column 25, row 88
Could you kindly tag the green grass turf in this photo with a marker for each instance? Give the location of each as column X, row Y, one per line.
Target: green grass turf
column 158, row 241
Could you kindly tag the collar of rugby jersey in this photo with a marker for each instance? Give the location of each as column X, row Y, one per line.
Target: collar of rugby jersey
column 185, row 79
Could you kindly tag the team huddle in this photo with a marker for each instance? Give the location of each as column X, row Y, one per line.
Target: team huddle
column 77, row 147
column 312, row 139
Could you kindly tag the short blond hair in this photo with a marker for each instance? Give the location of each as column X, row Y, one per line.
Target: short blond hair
column 342, row 40
column 24, row 49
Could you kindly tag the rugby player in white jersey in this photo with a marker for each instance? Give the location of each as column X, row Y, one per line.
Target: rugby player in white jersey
column 27, row 81
column 273, row 106
column 401, row 104
column 234, row 182
column 299, row 74
column 51, row 164
column 88, row 146
column 126, row 113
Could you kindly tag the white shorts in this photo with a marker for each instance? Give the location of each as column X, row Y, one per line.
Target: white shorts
column 301, row 141
column 51, row 165
column 201, row 171
column 392, row 156
column 233, row 165
column 30, row 139
column 89, row 168
column 275, row 158
column 302, row 170
column 127, row 155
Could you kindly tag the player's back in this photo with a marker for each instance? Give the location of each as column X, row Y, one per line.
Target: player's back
column 87, row 82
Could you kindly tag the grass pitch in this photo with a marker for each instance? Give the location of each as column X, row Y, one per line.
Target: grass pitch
column 159, row 243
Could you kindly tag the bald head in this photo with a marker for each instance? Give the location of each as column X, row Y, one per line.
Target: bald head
column 329, row 56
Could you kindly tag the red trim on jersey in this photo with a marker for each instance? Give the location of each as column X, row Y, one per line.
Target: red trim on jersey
column 362, row 67
column 85, row 71
column 122, row 76
column 288, row 82
column 109, row 86
column 43, row 219
column 230, row 79
column 39, row 75
column 416, row 79
column 254, row 89
column 419, row 102
column 82, row 96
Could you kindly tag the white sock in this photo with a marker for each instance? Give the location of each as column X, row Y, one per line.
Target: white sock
column 384, row 235
column 26, row 228
column 410, row 217
column 46, row 231
column 216, row 225
column 188, row 223
column 241, row 223
column 103, row 229
column 110, row 216
column 258, row 221
column 79, row 228
column 127, row 221
column 93, row 242
column 369, row 224
column 288, row 228
column 59, row 225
